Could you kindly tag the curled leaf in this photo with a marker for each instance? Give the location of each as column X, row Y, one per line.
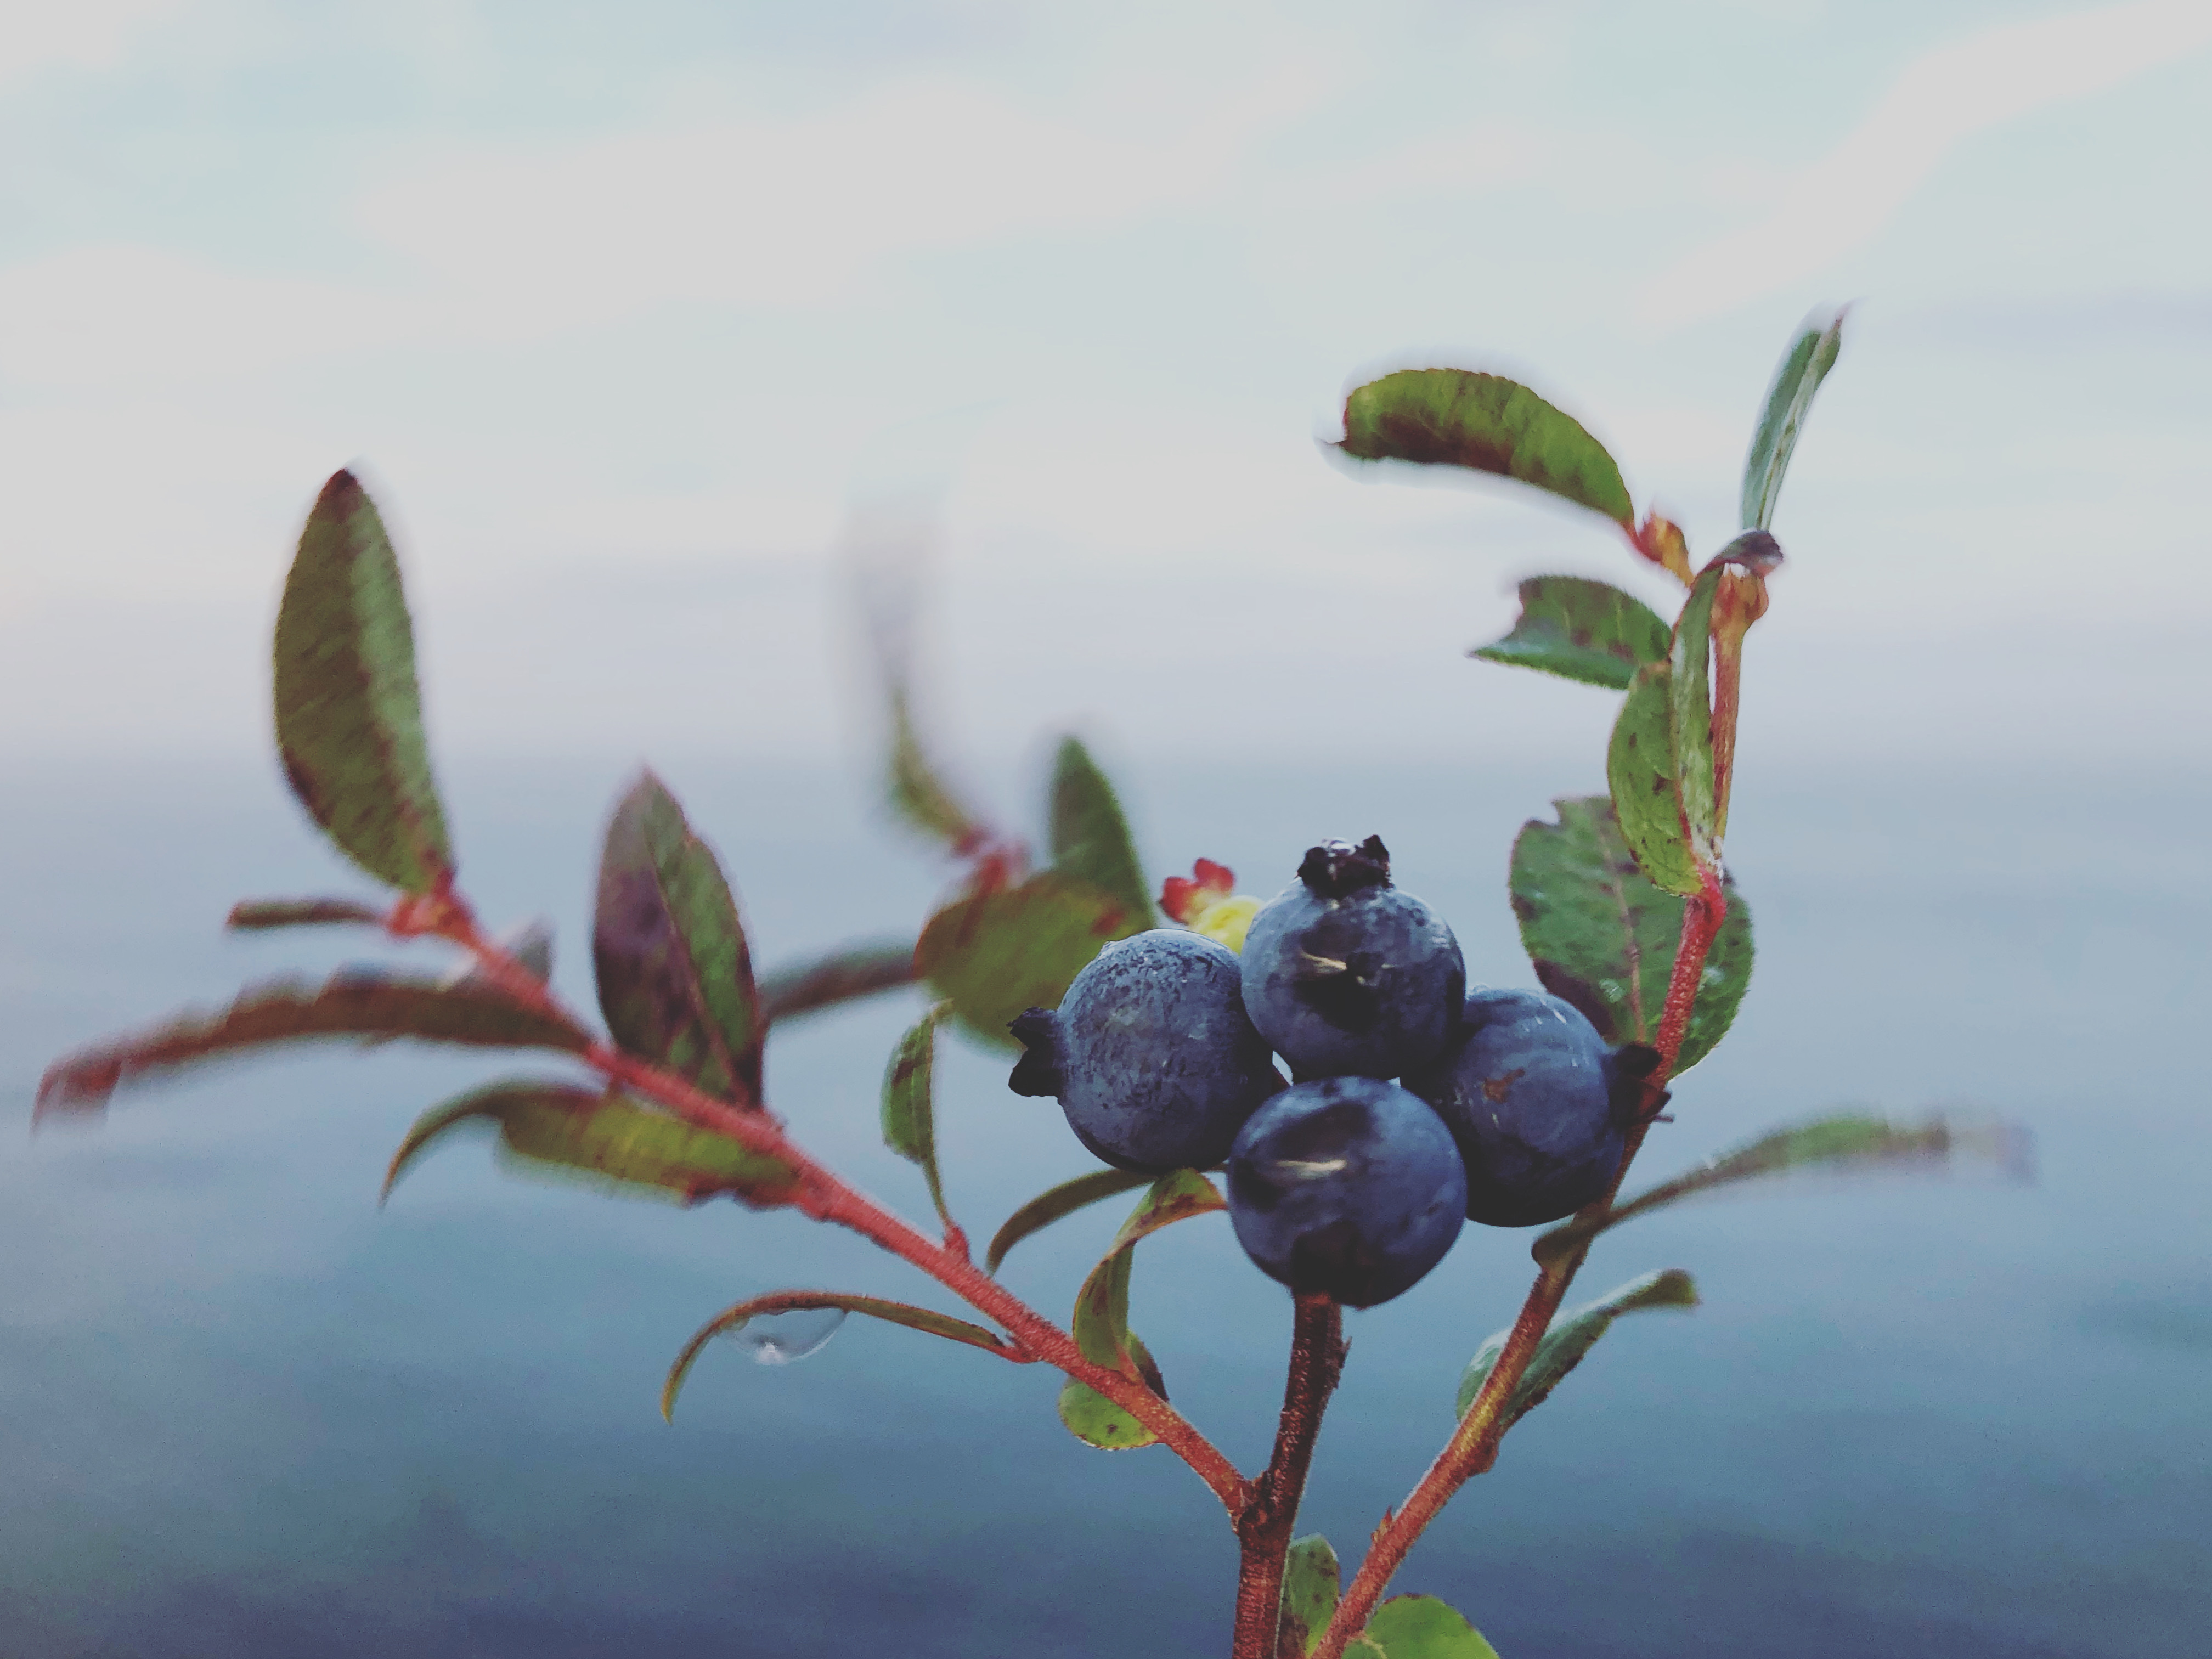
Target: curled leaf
column 253, row 915
column 1789, row 400
column 348, row 717
column 844, row 974
column 1571, row 1335
column 1056, row 1202
column 349, row 1005
column 909, row 1112
column 895, row 1313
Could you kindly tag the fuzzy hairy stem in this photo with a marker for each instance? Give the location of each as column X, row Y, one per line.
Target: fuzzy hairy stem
column 1473, row 1445
column 822, row 1195
column 1263, row 1530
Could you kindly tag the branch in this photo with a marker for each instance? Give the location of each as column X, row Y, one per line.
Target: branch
column 820, row 1195
column 1263, row 1531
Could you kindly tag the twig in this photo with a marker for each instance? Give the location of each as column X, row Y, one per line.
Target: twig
column 1263, row 1530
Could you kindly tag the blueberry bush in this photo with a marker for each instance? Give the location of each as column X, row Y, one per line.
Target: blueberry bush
column 1413, row 1104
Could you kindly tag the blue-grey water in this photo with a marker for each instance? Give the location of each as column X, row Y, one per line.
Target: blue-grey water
column 244, row 1413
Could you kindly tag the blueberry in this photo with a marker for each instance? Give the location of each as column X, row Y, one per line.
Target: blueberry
column 1346, row 1186
column 1151, row 1055
column 1345, row 975
column 1540, row 1106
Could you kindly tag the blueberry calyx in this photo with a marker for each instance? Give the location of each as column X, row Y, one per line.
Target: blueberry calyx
column 1627, row 1068
column 1037, row 1072
column 1337, row 869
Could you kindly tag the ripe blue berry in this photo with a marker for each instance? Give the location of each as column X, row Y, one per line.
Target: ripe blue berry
column 1348, row 1187
column 1345, row 975
column 1539, row 1105
column 1151, row 1056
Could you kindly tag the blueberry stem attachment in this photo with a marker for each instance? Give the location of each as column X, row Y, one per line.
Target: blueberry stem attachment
column 1263, row 1530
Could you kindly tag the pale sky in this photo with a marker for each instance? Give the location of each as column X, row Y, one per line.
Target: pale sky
column 620, row 309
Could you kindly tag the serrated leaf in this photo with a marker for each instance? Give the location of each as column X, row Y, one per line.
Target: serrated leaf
column 994, row 953
column 909, row 1111
column 1846, row 1143
column 734, row 1318
column 253, row 915
column 348, row 717
column 610, row 1141
column 842, row 976
column 1582, row 631
column 1101, row 1324
column 1423, row 1627
column 1457, row 417
column 349, row 1005
column 1572, row 1334
column 1312, row 1582
column 675, row 977
column 1789, row 400
column 1641, row 772
column 1057, row 1202
column 1602, row 935
column 1091, row 838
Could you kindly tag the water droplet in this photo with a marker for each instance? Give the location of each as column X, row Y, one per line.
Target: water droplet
column 777, row 1339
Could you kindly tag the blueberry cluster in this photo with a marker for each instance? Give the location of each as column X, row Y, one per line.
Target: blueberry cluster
column 1508, row 1108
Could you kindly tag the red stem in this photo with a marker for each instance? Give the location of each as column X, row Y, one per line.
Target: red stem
column 822, row 1195
column 1263, row 1531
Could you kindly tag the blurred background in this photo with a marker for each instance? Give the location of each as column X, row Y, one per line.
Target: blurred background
column 621, row 316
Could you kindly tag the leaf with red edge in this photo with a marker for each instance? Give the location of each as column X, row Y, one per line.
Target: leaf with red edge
column 1101, row 1324
column 843, row 974
column 734, row 1319
column 1457, row 417
column 995, row 952
column 349, row 1005
column 675, row 975
column 348, row 717
column 608, row 1140
column 253, row 915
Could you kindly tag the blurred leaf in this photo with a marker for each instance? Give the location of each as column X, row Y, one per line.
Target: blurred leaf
column 1051, row 1206
column 909, row 1106
column 1101, row 1324
column 1846, row 1144
column 1456, row 418
column 1640, row 769
column 610, row 1141
column 1603, row 937
column 1582, row 631
column 994, row 953
column 675, row 979
column 351, row 1005
column 251, row 915
column 1572, row 1334
column 349, row 718
column 897, row 1313
column 1422, row 1627
column 1364, row 1647
column 918, row 791
column 842, row 975
column 1091, row 838
column 1803, row 367
column 1311, row 1583
column 1661, row 541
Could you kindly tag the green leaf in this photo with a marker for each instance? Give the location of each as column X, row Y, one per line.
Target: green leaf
column 1690, row 706
column 1101, row 1324
column 610, row 1141
column 1602, row 936
column 1455, row 418
column 1422, row 1627
column 1311, row 1582
column 734, row 1318
column 1052, row 1205
column 349, row 1005
column 842, row 975
column 1640, row 770
column 1803, row 367
column 348, row 719
column 1091, row 838
column 251, row 916
column 1572, row 1334
column 909, row 1108
column 675, row 977
column 1582, row 631
column 1848, row 1143
column 918, row 791
column 994, row 953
